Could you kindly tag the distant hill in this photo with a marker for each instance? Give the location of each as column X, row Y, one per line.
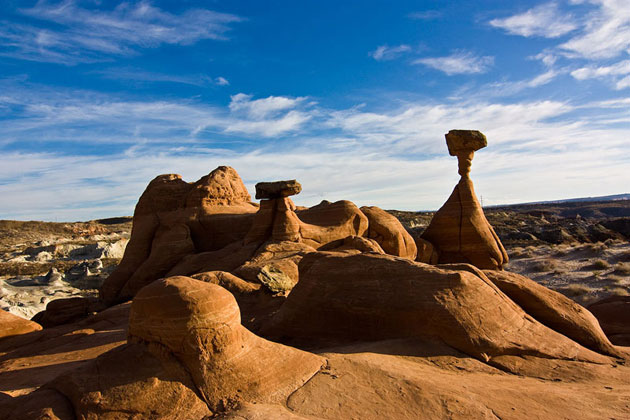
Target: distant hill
column 602, row 198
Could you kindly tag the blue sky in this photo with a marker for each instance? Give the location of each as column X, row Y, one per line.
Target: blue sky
column 350, row 98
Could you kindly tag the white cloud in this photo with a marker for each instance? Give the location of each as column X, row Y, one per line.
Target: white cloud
column 623, row 83
column 87, row 35
column 458, row 63
column 221, row 81
column 612, row 73
column 621, row 68
column 544, row 20
column 385, row 53
column 261, row 108
column 606, row 33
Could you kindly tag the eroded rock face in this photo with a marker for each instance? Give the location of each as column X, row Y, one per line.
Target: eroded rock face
column 173, row 219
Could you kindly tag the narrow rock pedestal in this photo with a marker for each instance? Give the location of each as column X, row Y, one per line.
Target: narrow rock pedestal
column 459, row 229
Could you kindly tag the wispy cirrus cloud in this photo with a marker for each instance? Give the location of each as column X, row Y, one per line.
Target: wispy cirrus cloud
column 58, row 115
column 385, row 52
column 544, row 20
column 615, row 72
column 79, row 34
column 139, row 75
column 425, row 15
column 460, row 62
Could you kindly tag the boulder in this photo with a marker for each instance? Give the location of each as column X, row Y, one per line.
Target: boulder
column 174, row 219
column 389, row 233
column 200, row 324
column 426, row 251
column 11, row 325
column 66, row 310
column 277, row 189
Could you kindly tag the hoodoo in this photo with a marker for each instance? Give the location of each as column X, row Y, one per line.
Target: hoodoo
column 459, row 230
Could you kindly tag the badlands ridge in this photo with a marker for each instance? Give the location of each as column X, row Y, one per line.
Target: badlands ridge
column 226, row 308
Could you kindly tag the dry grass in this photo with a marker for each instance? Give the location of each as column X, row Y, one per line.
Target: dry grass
column 618, row 291
column 617, row 280
column 600, row 265
column 622, row 268
column 577, row 289
column 544, row 266
column 596, row 248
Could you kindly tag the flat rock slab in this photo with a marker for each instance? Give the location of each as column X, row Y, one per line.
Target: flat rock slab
column 277, row 189
column 465, row 141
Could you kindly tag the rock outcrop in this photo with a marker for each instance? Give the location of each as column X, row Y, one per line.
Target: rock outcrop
column 375, row 297
column 459, row 229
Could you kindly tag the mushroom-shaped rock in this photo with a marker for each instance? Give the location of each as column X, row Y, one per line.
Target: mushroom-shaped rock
column 277, row 189
column 464, row 144
column 200, row 324
column 459, row 229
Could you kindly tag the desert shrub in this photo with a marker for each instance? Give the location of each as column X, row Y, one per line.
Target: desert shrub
column 617, row 280
column 596, row 248
column 622, row 268
column 618, row 291
column 600, row 264
column 544, row 266
column 577, row 289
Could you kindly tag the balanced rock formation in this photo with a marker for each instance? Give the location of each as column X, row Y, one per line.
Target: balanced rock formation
column 459, row 229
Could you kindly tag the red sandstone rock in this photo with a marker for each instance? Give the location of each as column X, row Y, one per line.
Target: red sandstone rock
column 370, row 297
column 389, row 233
column 200, row 324
column 426, row 251
column 552, row 309
column 277, row 189
column 613, row 314
column 132, row 381
column 459, row 229
column 461, row 233
column 11, row 325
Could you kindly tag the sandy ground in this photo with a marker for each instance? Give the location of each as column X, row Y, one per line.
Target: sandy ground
column 583, row 272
